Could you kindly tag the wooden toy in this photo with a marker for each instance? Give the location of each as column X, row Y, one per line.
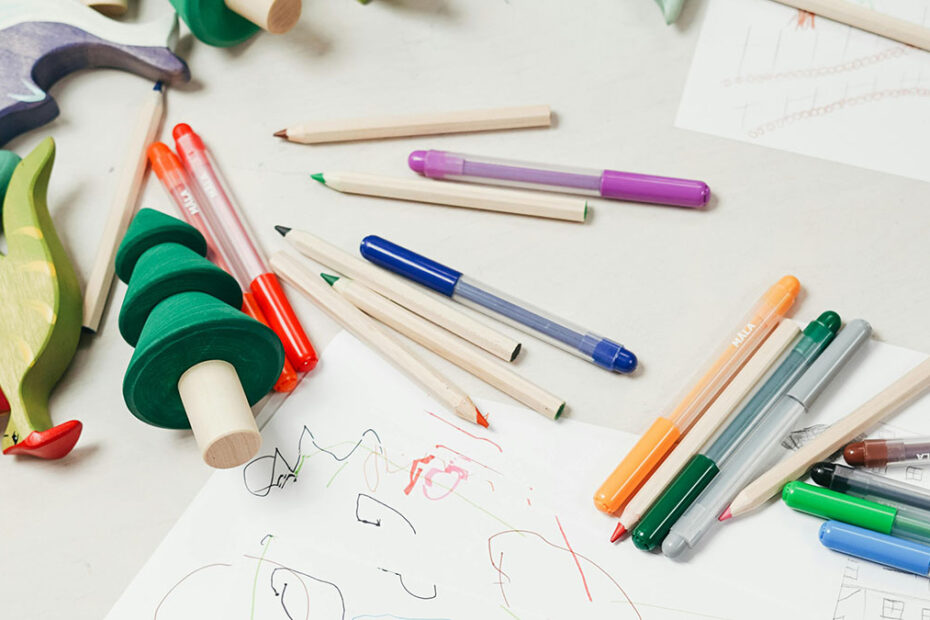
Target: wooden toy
column 199, row 362
column 110, row 8
column 40, row 313
column 41, row 42
column 229, row 22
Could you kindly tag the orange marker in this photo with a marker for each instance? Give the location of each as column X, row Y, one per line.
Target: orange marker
column 167, row 167
column 664, row 433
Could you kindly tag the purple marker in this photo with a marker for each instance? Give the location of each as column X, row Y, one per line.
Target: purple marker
column 604, row 183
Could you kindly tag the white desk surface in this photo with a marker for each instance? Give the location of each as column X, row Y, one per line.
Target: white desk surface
column 666, row 282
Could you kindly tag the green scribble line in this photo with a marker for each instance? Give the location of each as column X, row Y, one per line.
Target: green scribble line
column 510, row 612
column 255, row 580
column 336, row 474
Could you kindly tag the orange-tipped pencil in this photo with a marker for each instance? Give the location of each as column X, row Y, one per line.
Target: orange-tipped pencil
column 665, row 432
column 367, row 330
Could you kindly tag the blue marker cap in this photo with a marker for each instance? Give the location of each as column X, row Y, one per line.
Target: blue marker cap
column 610, row 355
column 876, row 547
column 409, row 264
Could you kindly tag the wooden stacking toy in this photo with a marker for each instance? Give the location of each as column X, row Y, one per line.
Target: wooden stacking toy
column 43, row 41
column 40, row 310
column 199, row 362
column 229, row 22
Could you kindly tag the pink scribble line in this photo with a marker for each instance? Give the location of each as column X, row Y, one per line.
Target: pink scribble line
column 467, row 458
column 849, row 66
column 835, row 106
column 466, row 432
column 574, row 557
column 460, row 473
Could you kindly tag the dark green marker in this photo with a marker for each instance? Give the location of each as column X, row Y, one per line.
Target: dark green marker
column 703, row 467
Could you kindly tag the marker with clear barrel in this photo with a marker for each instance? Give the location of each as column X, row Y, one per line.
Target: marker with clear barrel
column 704, row 466
column 169, row 170
column 703, row 390
column 604, row 183
column 875, row 547
column 843, row 479
column 463, row 289
column 902, row 522
column 881, row 452
column 240, row 250
column 763, row 445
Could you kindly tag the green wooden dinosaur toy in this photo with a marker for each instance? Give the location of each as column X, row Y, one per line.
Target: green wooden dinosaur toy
column 40, row 312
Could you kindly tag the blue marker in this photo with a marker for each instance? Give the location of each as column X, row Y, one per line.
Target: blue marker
column 603, row 352
column 876, row 547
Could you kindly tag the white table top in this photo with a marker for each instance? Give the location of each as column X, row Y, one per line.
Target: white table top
column 666, row 282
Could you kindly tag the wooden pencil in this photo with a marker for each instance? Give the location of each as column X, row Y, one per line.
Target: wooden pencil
column 707, row 425
column 123, row 207
column 429, row 124
column 520, row 202
column 367, row 330
column 880, row 406
column 400, row 292
column 863, row 18
column 449, row 347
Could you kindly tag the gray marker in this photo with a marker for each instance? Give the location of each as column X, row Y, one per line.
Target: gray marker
column 762, row 446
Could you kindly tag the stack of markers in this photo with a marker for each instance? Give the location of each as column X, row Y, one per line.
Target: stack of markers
column 678, row 480
column 872, row 517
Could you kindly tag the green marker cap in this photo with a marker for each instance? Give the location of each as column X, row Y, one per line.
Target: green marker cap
column 824, row 326
column 829, row 504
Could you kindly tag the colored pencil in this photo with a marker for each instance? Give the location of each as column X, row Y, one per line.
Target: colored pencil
column 123, row 207
column 367, row 330
column 428, row 124
column 880, row 406
column 447, row 346
column 482, row 197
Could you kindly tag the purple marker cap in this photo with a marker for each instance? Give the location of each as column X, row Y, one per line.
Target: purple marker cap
column 648, row 188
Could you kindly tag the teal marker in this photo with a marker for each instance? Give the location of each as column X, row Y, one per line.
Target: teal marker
column 703, row 467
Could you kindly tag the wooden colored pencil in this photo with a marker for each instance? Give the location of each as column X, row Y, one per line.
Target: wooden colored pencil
column 449, row 347
column 707, row 425
column 880, row 406
column 367, row 330
column 400, row 292
column 124, row 206
column 864, row 18
column 429, row 124
column 537, row 204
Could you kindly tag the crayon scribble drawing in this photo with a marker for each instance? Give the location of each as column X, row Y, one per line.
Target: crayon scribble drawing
column 767, row 74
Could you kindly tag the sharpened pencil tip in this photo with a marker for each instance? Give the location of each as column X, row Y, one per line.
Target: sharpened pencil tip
column 158, row 86
column 329, row 279
column 483, row 421
column 282, row 230
column 618, row 532
column 726, row 515
column 281, row 134
column 318, row 177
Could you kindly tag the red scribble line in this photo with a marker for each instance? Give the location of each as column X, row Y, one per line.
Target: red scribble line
column 466, row 432
column 492, row 486
column 574, row 557
column 555, row 546
column 415, row 471
column 803, row 18
column 500, row 577
column 467, row 458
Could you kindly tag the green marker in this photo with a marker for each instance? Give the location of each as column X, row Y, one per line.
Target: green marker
column 703, row 467
column 904, row 522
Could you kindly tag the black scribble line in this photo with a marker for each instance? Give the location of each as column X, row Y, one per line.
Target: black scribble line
column 407, row 590
column 377, row 523
column 298, row 574
column 278, row 479
column 182, row 580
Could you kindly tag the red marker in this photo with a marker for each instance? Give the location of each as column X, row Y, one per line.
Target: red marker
column 169, row 170
column 241, row 252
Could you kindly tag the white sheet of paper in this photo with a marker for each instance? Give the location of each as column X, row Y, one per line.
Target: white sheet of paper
column 371, row 500
column 768, row 74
